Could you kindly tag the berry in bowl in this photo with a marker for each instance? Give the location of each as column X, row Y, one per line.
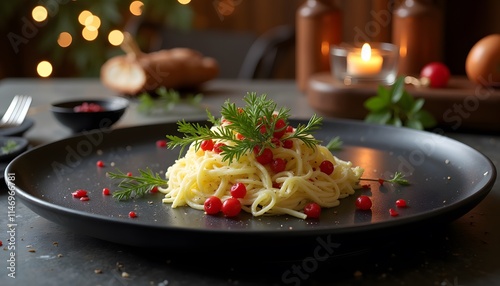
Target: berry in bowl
column 89, row 114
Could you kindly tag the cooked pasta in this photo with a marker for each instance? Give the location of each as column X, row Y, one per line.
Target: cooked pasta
column 201, row 174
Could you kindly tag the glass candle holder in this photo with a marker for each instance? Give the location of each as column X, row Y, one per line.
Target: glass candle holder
column 370, row 63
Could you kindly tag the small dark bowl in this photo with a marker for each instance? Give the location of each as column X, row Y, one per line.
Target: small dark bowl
column 79, row 121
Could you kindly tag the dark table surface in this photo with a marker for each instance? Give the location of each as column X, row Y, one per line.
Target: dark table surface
column 465, row 251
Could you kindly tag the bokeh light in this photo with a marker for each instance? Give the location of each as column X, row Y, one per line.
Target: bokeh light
column 82, row 18
column 39, row 13
column 64, row 39
column 93, row 23
column 89, row 35
column 136, row 8
column 44, row 69
column 184, row 2
column 115, row 37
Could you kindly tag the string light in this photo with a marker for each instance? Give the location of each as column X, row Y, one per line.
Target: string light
column 184, row 2
column 82, row 18
column 92, row 23
column 39, row 13
column 44, row 69
column 89, row 35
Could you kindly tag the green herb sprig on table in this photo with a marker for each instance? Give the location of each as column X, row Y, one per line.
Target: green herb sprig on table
column 395, row 106
column 9, row 146
column 256, row 122
column 165, row 100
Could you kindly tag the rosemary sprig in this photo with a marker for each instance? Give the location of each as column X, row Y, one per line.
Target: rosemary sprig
column 165, row 100
column 398, row 178
column 334, row 144
column 136, row 186
column 256, row 122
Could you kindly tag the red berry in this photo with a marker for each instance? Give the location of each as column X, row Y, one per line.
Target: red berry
column 238, row 190
column 207, row 145
column 276, row 185
column 312, row 210
column 100, row 163
column 276, row 142
column 154, row 189
column 1, row 243
column 129, row 174
column 288, row 144
column 218, row 147
column 263, row 129
column 279, row 128
column 289, row 129
column 381, row 181
column 401, row 203
column 231, row 207
column 437, row 73
column 106, row 191
column 393, row 212
column 84, row 199
column 79, row 193
column 161, row 143
column 326, row 167
column 363, row 202
column 239, row 136
column 278, row 165
column 265, row 157
column 132, row 214
column 212, row 205
column 365, row 186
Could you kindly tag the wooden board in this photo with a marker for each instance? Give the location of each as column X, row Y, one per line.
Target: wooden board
column 460, row 106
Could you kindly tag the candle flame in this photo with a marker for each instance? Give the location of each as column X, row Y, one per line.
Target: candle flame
column 366, row 52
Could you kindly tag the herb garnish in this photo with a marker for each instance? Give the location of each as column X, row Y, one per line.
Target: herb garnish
column 256, row 122
column 10, row 145
column 395, row 106
column 334, row 144
column 136, row 186
column 398, row 178
column 165, row 100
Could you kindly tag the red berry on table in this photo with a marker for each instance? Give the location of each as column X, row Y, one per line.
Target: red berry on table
column 212, row 205
column 100, row 164
column 238, row 190
column 401, row 203
column 326, row 167
column 437, row 73
column 129, row 174
column 132, row 214
column 106, row 191
column 363, row 202
column 231, row 207
column 312, row 210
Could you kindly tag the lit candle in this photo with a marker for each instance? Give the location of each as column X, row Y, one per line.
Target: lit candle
column 364, row 63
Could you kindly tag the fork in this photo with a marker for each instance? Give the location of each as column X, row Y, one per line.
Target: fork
column 16, row 113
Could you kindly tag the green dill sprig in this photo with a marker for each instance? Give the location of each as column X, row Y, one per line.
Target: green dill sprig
column 256, row 122
column 8, row 147
column 398, row 178
column 165, row 100
column 136, row 186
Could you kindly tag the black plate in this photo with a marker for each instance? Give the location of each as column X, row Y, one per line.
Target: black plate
column 448, row 179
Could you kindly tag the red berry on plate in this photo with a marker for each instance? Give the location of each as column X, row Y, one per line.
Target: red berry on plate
column 238, row 190
column 393, row 212
column 401, row 203
column 207, row 145
column 437, row 73
column 84, row 198
column 265, row 157
column 132, row 214
column 106, row 191
column 287, row 144
column 231, row 207
column 279, row 128
column 278, row 165
column 218, row 147
column 212, row 205
column 100, row 164
column 363, row 202
column 312, row 210
column 326, row 167
column 129, row 174
column 161, row 143
column 79, row 193
column 154, row 189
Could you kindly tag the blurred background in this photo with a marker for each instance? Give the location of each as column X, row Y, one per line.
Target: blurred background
column 72, row 38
